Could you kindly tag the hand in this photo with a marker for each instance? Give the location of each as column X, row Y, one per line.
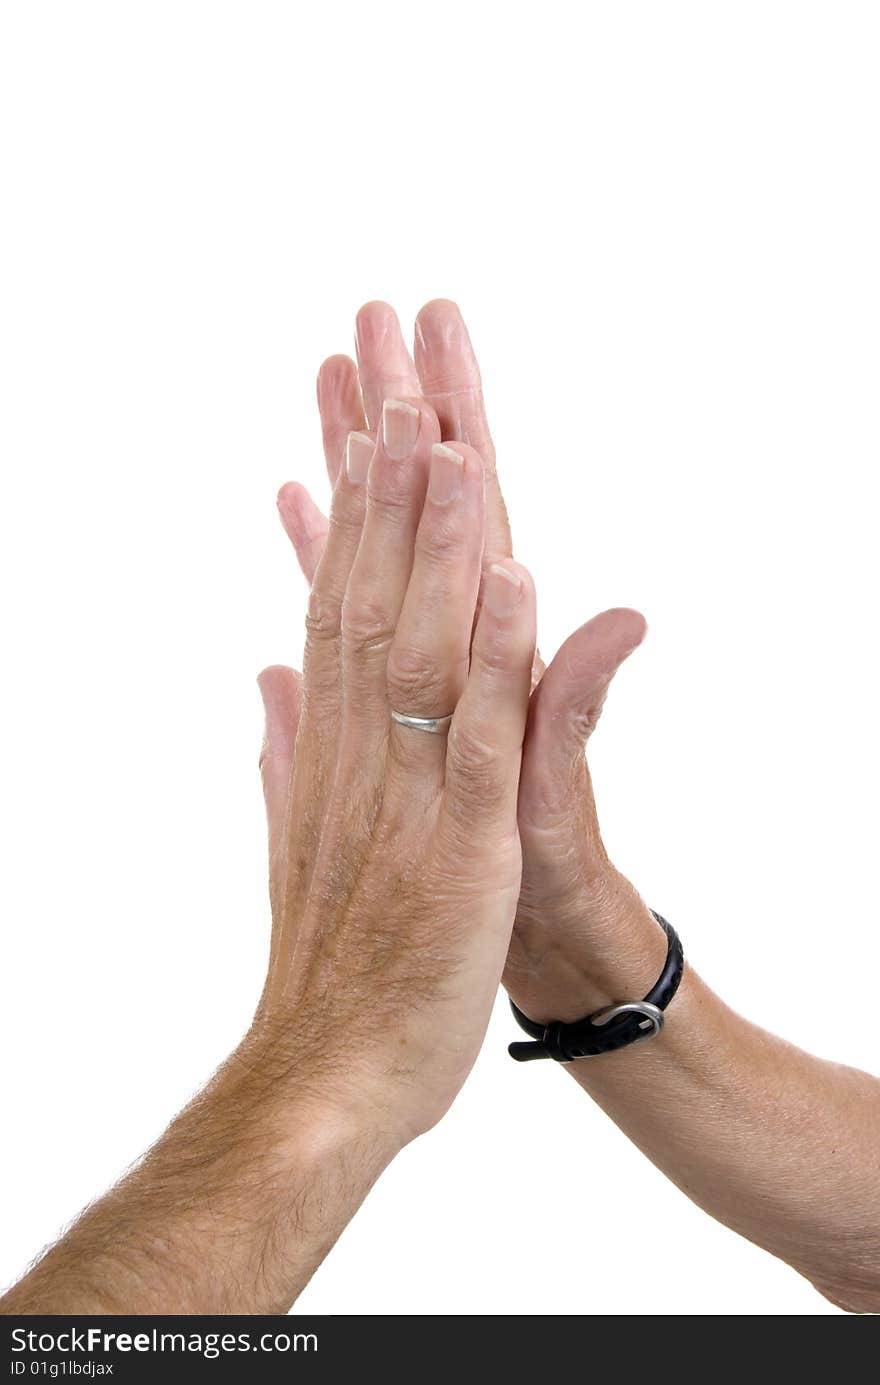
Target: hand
column 395, row 858
column 395, row 871
column 583, row 936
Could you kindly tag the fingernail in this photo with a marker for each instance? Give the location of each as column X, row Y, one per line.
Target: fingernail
column 502, row 591
column 400, row 428
column 445, row 477
column 359, row 451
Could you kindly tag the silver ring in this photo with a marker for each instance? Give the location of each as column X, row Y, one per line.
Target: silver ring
column 436, row 725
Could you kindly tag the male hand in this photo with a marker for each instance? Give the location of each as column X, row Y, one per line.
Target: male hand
column 395, row 871
column 583, row 937
column 395, row 858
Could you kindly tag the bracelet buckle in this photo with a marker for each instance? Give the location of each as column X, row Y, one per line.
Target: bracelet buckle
column 650, row 1025
column 614, row 1027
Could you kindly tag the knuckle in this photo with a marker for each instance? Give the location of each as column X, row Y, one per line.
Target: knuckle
column 478, row 767
column 440, row 543
column 585, row 719
column 366, row 627
column 415, row 683
column 322, row 617
column 494, row 655
column 389, row 503
column 346, row 514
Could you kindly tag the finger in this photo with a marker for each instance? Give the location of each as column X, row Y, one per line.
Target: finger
column 322, row 657
column 485, row 739
column 450, row 381
column 305, row 526
column 566, row 707
column 281, row 690
column 381, row 571
column 430, row 653
column 313, row 771
column 340, row 408
column 385, row 366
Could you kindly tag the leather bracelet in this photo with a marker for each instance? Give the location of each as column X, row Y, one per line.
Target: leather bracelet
column 605, row 1030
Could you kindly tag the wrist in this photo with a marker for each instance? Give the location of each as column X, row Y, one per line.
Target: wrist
column 281, row 1161
column 231, row 1211
column 311, row 1107
column 596, row 946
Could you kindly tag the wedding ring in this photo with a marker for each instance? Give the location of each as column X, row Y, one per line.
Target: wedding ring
column 436, row 725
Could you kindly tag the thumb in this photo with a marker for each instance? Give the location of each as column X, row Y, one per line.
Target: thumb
column 281, row 691
column 568, row 702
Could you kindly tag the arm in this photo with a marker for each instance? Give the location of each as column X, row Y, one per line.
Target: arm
column 394, row 873
column 231, row 1212
column 779, row 1145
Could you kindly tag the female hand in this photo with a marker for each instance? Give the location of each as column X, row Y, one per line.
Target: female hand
column 583, row 937
column 395, row 858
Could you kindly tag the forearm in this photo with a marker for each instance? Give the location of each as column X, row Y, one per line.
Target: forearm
column 230, row 1212
column 778, row 1144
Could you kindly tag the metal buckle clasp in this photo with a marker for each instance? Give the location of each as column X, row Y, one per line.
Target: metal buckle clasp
column 651, row 1024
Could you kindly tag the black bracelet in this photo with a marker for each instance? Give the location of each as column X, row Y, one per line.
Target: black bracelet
column 608, row 1029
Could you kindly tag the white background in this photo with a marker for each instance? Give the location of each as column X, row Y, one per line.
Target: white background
column 662, row 224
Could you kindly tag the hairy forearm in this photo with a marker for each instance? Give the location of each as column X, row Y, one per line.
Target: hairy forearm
column 230, row 1212
column 779, row 1145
